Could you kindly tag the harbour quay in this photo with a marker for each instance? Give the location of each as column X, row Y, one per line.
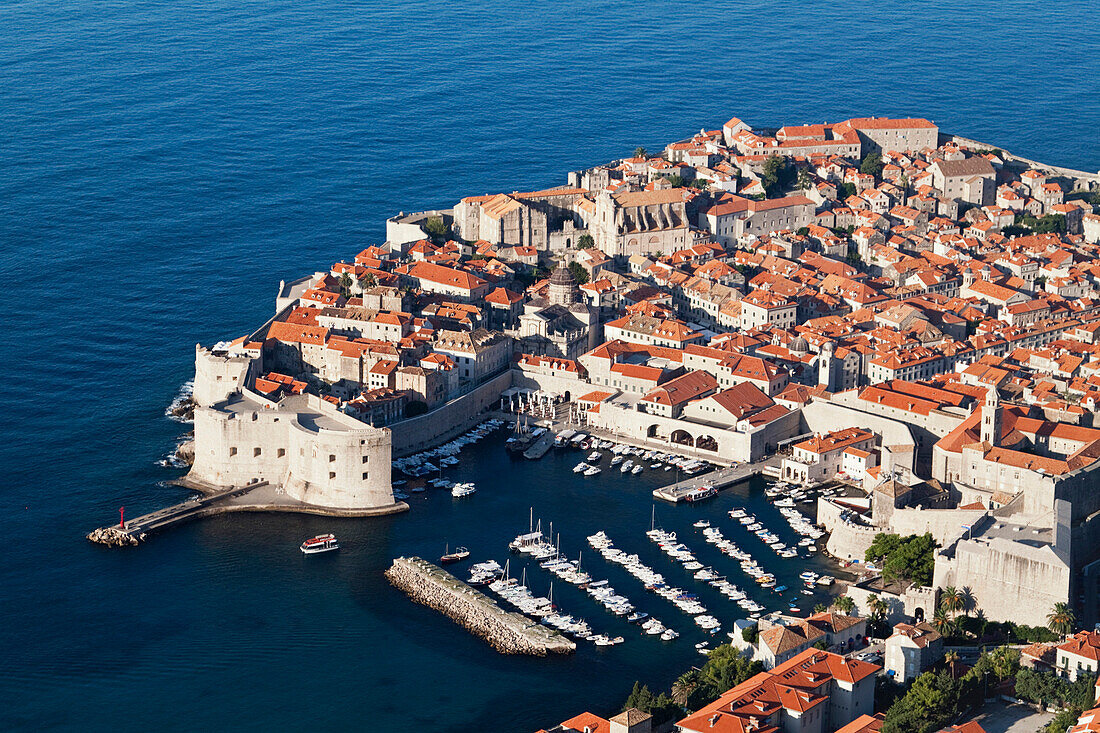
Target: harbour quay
column 508, row 633
column 701, row 487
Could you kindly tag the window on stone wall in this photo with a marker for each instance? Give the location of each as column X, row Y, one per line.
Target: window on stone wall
column 281, row 452
column 331, row 457
column 365, row 459
column 364, row 475
column 332, row 474
column 255, row 452
column 233, row 451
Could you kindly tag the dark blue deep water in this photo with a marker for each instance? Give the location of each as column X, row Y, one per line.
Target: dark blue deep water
column 164, row 164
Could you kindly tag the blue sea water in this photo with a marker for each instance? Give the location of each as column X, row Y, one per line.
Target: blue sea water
column 163, row 165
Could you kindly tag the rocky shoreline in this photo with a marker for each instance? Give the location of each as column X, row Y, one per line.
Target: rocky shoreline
column 508, row 633
column 114, row 537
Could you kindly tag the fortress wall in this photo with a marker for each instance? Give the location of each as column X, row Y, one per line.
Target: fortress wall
column 1009, row 583
column 946, row 525
column 226, row 447
column 340, row 468
column 447, row 421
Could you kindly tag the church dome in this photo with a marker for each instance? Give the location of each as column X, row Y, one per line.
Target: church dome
column 563, row 276
column 799, row 345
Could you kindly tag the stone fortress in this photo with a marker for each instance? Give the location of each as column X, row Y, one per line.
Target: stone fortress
column 302, row 444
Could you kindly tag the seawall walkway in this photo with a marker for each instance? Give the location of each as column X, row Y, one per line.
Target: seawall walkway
column 508, row 633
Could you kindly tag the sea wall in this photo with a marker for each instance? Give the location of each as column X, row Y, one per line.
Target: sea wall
column 447, row 421
column 847, row 540
column 508, row 633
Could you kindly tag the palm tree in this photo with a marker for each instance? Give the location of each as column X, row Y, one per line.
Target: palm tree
column 820, row 608
column 1061, row 619
column 345, row 284
column 878, row 608
column 942, row 623
column 952, row 658
column 951, row 600
column 844, row 604
column 367, row 281
column 684, row 686
column 969, row 602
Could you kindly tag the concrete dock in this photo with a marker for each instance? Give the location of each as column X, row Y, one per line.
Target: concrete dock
column 507, row 632
column 257, row 497
column 719, row 479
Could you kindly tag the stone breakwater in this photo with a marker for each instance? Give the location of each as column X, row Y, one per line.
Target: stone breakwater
column 508, row 633
column 114, row 537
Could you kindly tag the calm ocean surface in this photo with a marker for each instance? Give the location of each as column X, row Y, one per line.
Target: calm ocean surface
column 163, row 165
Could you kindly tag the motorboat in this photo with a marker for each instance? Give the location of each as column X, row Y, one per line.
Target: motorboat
column 464, row 489
column 320, row 543
column 592, row 471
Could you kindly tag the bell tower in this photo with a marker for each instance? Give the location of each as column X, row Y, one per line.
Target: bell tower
column 991, row 418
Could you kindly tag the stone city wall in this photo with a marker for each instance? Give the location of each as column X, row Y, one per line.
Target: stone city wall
column 449, row 420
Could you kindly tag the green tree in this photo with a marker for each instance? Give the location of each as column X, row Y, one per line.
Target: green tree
column 367, row 281
column 1063, row 720
column 846, row 190
column 345, row 283
column 820, row 608
column 640, row 152
column 804, row 179
column 725, row 668
column 579, row 273
column 909, row 558
column 585, row 241
column 951, row 658
column 661, row 706
column 844, row 604
column 942, row 623
column 778, row 175
column 437, row 229
column 871, row 165
column 933, row 700
column 751, row 633
column 1061, row 619
column 951, row 600
column 676, row 180
column 685, row 685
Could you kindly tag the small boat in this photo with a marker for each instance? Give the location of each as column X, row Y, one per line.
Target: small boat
column 592, row 471
column 637, row 469
column 460, row 553
column 461, row 490
column 320, row 543
column 702, row 524
column 669, row 635
column 581, row 467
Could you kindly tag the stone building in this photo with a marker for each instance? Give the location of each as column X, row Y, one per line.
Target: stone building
column 301, row 443
column 533, row 219
column 559, row 324
column 911, row 649
column 640, row 222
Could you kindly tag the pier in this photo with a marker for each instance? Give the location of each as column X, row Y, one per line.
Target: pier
column 719, row 479
column 508, row 633
column 540, row 447
column 257, row 497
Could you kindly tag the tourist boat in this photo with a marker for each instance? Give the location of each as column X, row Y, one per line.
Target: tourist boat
column 592, row 471
column 461, row 490
column 460, row 553
column 703, row 492
column 320, row 543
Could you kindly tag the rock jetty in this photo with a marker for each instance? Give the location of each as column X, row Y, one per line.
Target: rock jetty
column 508, row 633
column 114, row 537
